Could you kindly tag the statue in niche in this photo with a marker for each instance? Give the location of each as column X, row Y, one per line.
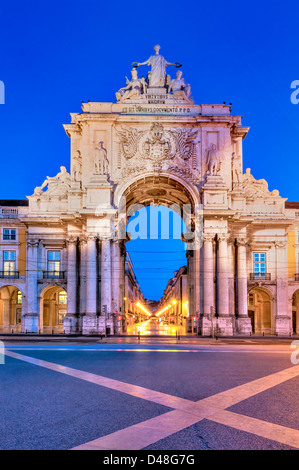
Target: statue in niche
column 77, row 167
column 101, row 161
column 157, row 75
column 236, row 168
column 133, row 88
column 179, row 87
column 213, row 160
column 62, row 179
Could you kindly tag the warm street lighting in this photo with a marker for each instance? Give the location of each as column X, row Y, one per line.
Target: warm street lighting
column 143, row 309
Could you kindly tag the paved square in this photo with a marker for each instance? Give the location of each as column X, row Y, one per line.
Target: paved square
column 132, row 397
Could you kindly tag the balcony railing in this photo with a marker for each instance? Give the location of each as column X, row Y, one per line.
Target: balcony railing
column 9, row 274
column 260, row 276
column 297, row 277
column 54, row 275
column 9, row 213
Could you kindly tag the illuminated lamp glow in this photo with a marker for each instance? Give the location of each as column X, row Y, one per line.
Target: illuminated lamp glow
column 143, row 309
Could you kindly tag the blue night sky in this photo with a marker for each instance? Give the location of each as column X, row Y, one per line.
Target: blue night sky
column 56, row 54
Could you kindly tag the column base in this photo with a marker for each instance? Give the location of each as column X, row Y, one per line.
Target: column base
column 220, row 326
column 243, row 326
column 283, row 326
column 224, row 326
column 70, row 324
column 205, row 326
column 30, row 324
column 90, row 325
column 97, row 325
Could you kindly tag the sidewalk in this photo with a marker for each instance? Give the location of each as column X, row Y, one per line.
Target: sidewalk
column 147, row 339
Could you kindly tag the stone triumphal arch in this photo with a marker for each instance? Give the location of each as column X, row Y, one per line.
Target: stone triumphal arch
column 154, row 145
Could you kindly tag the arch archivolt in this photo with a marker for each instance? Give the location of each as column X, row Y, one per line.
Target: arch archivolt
column 11, row 308
column 261, row 310
column 163, row 188
column 53, row 308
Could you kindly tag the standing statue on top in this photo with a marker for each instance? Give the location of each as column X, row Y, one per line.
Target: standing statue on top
column 158, row 64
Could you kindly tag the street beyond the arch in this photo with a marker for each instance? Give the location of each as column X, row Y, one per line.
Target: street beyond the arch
column 120, row 394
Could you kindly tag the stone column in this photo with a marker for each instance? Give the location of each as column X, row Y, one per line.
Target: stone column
column 71, row 319
column 243, row 322
column 31, row 315
column 122, row 290
column 224, row 321
column 283, row 314
column 116, row 283
column 115, row 275
column 222, row 281
column 90, row 318
column 106, row 283
column 208, row 270
column 83, row 251
column 206, row 322
column 6, row 315
column 106, row 276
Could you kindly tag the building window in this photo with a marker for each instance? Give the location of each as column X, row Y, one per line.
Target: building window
column 259, row 264
column 53, row 265
column 19, row 297
column 9, row 262
column 251, row 300
column 61, row 315
column 9, row 234
column 62, row 298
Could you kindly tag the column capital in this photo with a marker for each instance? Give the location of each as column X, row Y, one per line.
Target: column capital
column 32, row 243
column 72, row 240
column 105, row 238
column 280, row 244
column 91, row 237
column 223, row 237
column 208, row 237
column 242, row 242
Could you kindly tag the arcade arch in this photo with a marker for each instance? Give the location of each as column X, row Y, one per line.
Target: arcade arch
column 261, row 311
column 11, row 300
column 53, row 309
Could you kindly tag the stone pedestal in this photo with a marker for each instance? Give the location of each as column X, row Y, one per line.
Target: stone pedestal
column 215, row 193
column 90, row 325
column 205, row 326
column 98, row 193
column 156, row 90
column 223, row 326
column 70, row 324
column 30, row 324
column 283, row 326
column 243, row 326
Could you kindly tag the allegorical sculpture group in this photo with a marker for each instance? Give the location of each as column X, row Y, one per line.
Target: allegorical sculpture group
column 156, row 78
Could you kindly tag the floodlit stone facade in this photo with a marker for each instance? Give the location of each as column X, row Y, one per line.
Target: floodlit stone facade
column 62, row 252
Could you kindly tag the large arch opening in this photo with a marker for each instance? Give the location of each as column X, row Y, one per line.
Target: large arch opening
column 261, row 311
column 159, row 277
column 53, row 309
column 11, row 300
